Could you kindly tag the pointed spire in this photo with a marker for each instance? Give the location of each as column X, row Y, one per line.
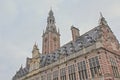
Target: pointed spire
column 35, row 51
column 101, row 16
column 102, row 20
column 51, row 22
column 58, row 31
column 51, row 12
column 35, row 46
column 21, row 67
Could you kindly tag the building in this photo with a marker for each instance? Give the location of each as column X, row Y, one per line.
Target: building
column 94, row 55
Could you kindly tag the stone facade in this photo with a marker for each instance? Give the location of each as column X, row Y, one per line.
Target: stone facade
column 94, row 55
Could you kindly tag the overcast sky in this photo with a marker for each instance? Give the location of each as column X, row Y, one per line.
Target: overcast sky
column 22, row 23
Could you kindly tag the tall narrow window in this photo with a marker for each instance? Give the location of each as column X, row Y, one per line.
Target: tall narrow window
column 43, row 77
column 49, row 76
column 71, row 71
column 63, row 74
column 82, row 71
column 55, row 75
column 94, row 66
column 114, row 68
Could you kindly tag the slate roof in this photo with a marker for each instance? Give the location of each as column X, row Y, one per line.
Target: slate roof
column 84, row 40
column 21, row 72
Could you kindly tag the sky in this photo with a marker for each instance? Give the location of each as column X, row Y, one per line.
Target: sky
column 22, row 23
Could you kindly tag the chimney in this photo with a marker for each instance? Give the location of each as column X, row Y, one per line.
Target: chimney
column 75, row 33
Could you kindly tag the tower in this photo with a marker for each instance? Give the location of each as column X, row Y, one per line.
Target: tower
column 51, row 37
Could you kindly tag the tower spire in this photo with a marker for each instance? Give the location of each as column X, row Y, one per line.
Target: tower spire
column 50, row 12
column 51, row 22
column 51, row 37
column 21, row 67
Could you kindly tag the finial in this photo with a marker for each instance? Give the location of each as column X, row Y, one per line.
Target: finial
column 101, row 15
column 21, row 66
column 51, row 12
column 43, row 31
column 102, row 20
column 35, row 43
column 35, row 47
column 58, row 30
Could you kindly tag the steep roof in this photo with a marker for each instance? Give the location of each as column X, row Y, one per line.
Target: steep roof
column 84, row 40
column 21, row 72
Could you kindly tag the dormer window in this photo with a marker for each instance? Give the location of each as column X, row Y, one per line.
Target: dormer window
column 80, row 44
column 65, row 51
column 72, row 49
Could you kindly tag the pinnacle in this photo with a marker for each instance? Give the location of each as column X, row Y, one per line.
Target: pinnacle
column 101, row 16
column 102, row 20
column 50, row 12
column 35, row 45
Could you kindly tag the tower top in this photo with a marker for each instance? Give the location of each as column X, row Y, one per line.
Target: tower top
column 50, row 12
column 51, row 27
column 51, row 37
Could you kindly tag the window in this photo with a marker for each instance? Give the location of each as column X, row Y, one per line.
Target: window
column 49, row 76
column 82, row 70
column 71, row 71
column 94, row 66
column 43, row 77
column 114, row 68
column 55, row 75
column 63, row 74
column 72, row 48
